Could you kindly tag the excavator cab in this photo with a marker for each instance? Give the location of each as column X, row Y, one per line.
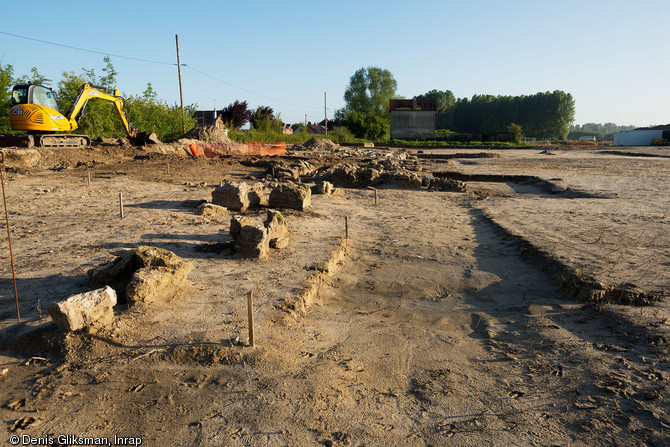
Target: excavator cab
column 34, row 109
column 34, row 94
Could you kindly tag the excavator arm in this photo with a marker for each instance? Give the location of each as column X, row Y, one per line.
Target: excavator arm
column 88, row 91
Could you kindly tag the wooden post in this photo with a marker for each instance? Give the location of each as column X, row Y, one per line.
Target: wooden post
column 325, row 112
column 9, row 234
column 346, row 227
column 168, row 168
column 121, row 204
column 375, row 196
column 89, row 179
column 250, row 313
column 181, row 91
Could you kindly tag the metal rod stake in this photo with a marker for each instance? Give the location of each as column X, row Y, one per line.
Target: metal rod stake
column 9, row 233
column 250, row 313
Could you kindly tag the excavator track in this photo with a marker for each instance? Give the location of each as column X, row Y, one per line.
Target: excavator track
column 62, row 140
column 45, row 140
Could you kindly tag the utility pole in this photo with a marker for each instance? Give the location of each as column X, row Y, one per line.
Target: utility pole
column 181, row 91
column 325, row 111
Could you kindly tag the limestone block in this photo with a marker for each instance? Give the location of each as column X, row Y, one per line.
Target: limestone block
column 322, row 188
column 88, row 310
column 253, row 242
column 121, row 273
column 297, row 197
column 114, row 270
column 236, row 224
column 278, row 243
column 212, row 210
column 275, row 224
column 159, row 257
column 156, row 284
column 238, row 196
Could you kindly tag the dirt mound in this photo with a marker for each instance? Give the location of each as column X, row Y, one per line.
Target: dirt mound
column 209, row 134
column 320, row 144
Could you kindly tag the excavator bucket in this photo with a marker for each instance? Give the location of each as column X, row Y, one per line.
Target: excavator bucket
column 143, row 138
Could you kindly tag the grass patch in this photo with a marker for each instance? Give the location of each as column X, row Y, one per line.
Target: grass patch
column 337, row 136
column 429, row 143
column 267, row 137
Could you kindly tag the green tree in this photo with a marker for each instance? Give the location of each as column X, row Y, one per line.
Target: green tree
column 369, row 92
column 564, row 106
column 149, row 94
column 149, row 114
column 367, row 126
column 35, row 78
column 445, row 107
column 236, row 115
column 108, row 80
column 516, row 133
column 263, row 119
column 340, row 134
column 6, row 83
column 68, row 87
column 542, row 115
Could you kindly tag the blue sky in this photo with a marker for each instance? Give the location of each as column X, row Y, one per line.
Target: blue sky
column 610, row 55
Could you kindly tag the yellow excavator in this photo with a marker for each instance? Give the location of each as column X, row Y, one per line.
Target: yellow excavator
column 34, row 110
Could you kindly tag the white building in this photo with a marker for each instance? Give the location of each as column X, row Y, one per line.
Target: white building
column 641, row 137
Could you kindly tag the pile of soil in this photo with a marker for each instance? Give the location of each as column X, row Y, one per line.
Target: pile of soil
column 209, row 134
column 320, row 144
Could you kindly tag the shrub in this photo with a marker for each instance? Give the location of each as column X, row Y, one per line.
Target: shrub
column 367, row 126
column 341, row 134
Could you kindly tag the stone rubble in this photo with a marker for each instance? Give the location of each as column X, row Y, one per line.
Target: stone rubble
column 144, row 275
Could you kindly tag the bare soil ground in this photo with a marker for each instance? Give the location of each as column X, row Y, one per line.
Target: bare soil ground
column 531, row 309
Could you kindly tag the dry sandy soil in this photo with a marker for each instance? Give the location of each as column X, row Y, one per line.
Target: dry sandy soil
column 531, row 309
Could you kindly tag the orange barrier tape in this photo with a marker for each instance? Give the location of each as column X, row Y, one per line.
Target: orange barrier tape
column 237, row 149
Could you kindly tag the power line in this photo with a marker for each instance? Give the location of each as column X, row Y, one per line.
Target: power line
column 87, row 50
column 249, row 91
column 157, row 62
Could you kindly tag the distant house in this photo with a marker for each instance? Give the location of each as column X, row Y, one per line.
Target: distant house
column 207, row 118
column 413, row 118
column 643, row 136
column 311, row 129
column 588, row 138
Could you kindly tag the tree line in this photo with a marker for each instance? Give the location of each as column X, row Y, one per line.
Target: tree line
column 546, row 115
column 601, row 131
column 542, row 115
